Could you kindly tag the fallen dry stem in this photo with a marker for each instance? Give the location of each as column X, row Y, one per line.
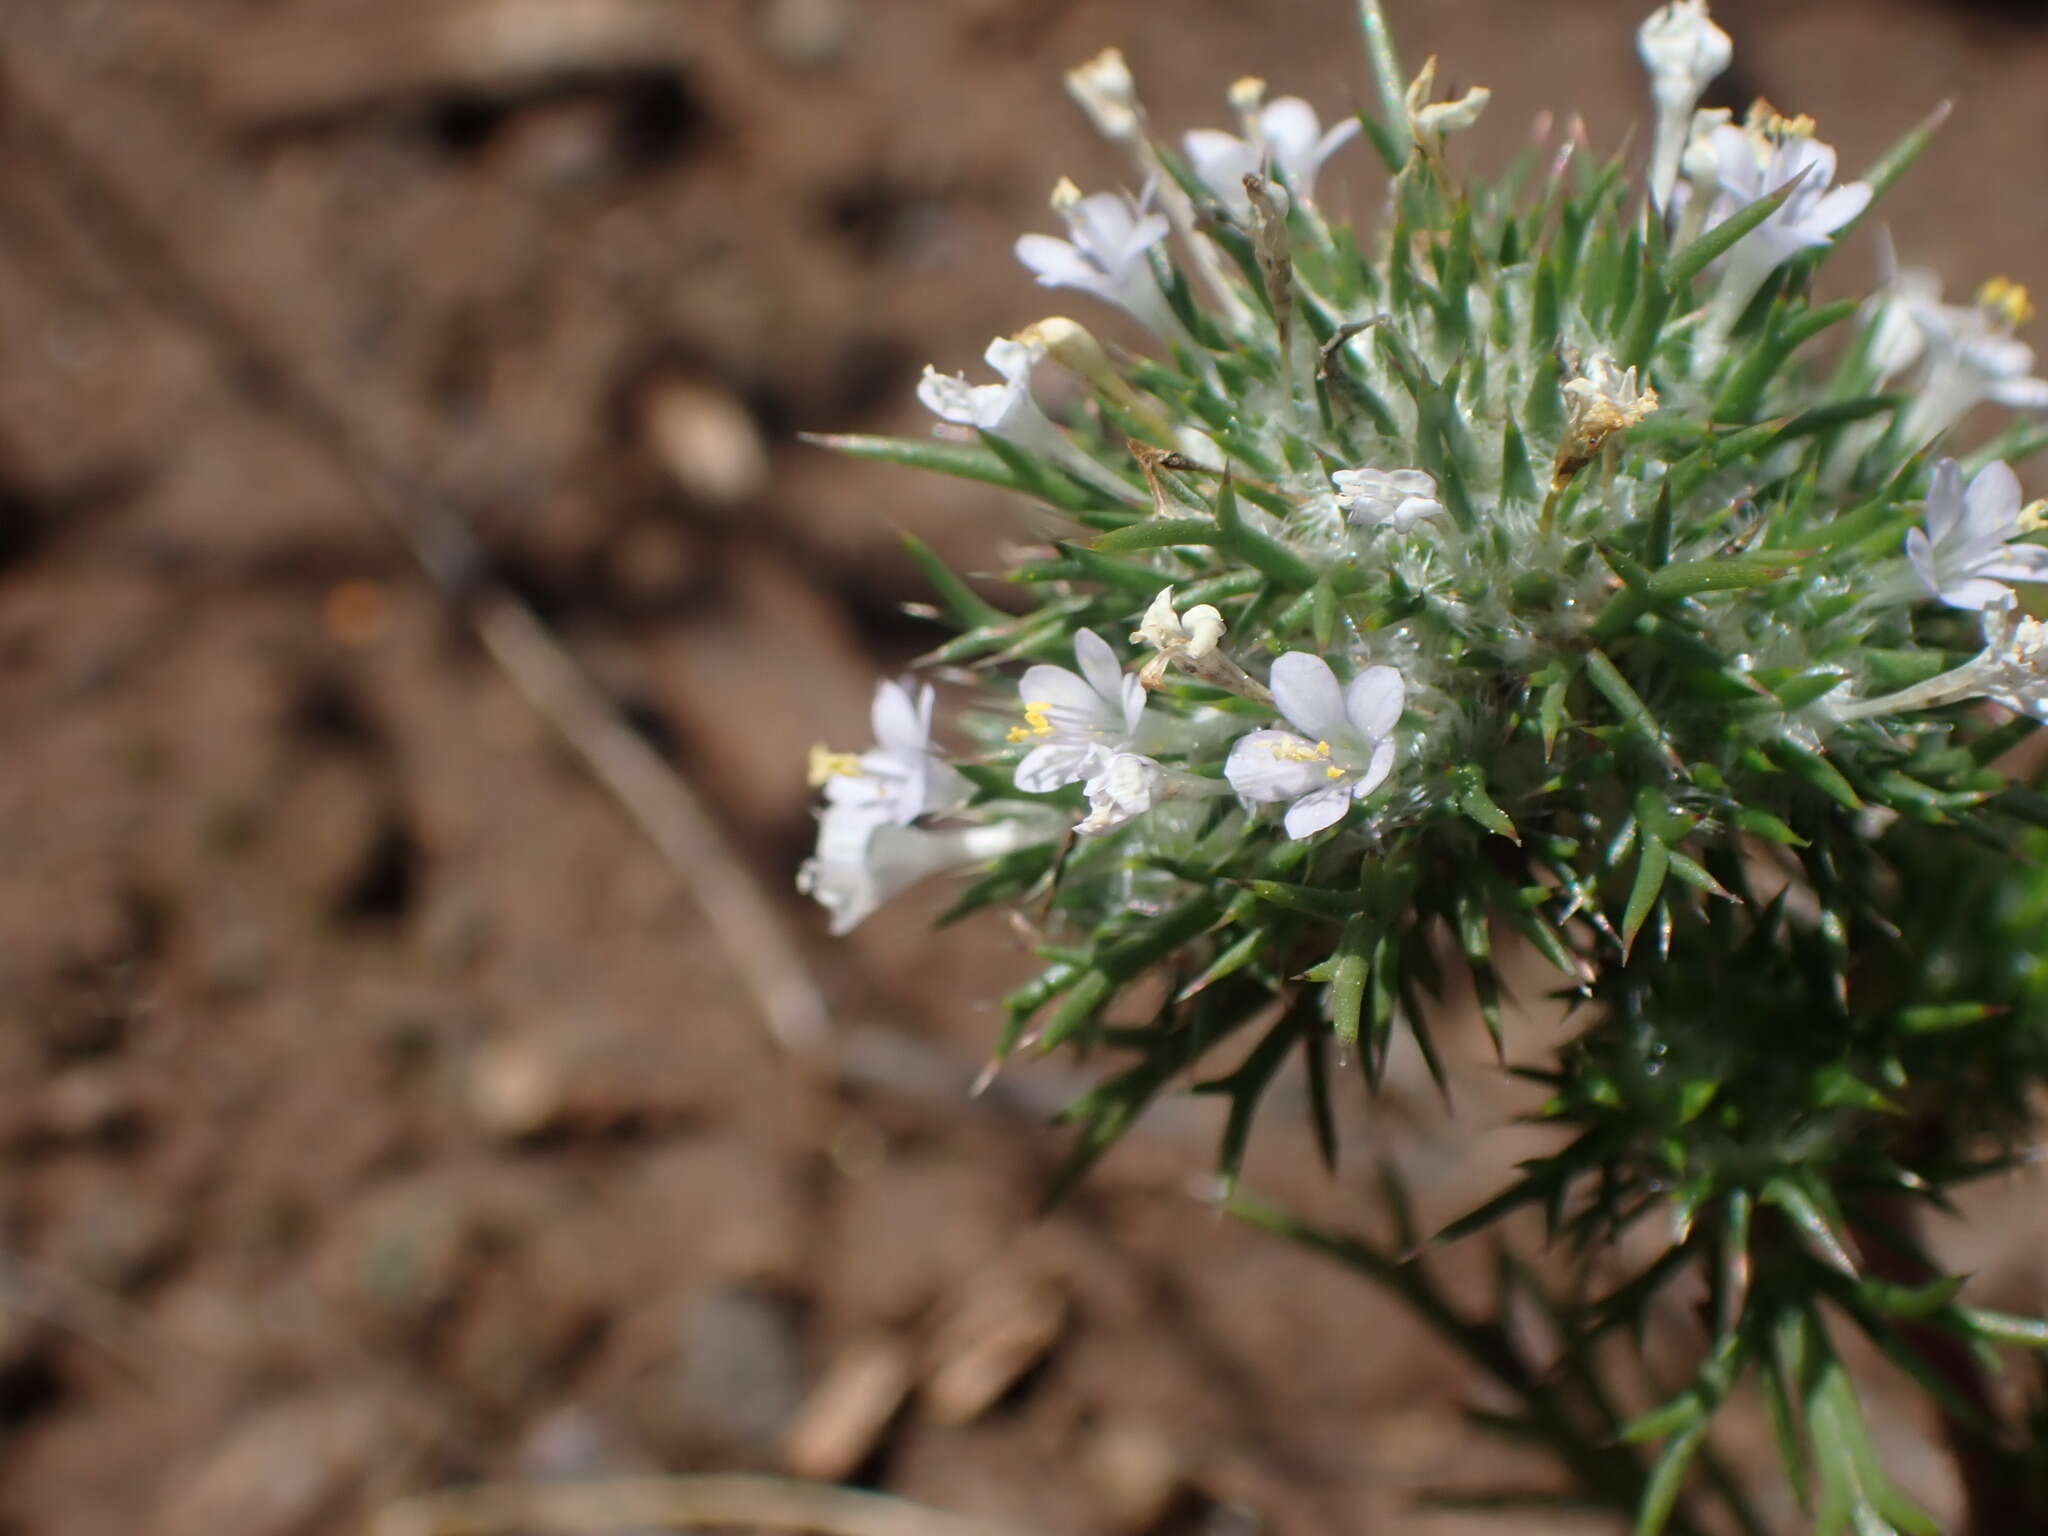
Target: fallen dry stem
column 672, row 1503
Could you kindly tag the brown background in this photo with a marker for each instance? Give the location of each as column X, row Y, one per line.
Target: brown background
column 375, row 1110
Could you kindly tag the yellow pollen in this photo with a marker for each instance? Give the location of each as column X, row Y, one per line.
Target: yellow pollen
column 825, row 764
column 1769, row 124
column 1319, row 753
column 1333, row 772
column 2006, row 301
column 2034, row 517
column 1037, row 721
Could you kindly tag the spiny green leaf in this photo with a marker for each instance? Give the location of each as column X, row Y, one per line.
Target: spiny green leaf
column 1688, row 261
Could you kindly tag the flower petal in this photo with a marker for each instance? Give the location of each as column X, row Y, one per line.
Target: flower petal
column 902, row 722
column 1374, row 702
column 1974, row 592
column 1311, row 813
column 1105, row 674
column 2021, row 394
column 1991, row 506
column 1944, row 506
column 1065, row 693
column 1048, row 766
column 1831, row 212
column 2017, row 562
column 1291, row 127
column 1274, row 765
column 1306, row 690
column 1920, row 554
column 1058, row 263
column 1376, row 771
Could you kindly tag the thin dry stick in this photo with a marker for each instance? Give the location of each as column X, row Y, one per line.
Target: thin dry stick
column 676, row 1503
column 740, row 913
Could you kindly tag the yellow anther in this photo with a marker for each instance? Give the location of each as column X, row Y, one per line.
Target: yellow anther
column 1333, row 772
column 1037, row 721
column 1766, row 122
column 2006, row 301
column 825, row 765
column 2034, row 517
column 1290, row 752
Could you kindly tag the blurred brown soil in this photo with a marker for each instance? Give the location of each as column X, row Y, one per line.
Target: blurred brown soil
column 376, row 1112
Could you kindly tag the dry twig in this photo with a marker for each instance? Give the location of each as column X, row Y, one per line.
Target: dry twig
column 676, row 1503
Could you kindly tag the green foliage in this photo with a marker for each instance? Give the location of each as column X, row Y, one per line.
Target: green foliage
column 1802, row 930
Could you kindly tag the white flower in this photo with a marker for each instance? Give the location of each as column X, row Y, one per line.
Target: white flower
column 1078, row 721
column 1105, row 92
column 1683, row 51
column 864, row 859
column 900, row 778
column 2011, row 670
column 1972, row 356
column 1130, row 784
column 1345, row 749
column 1401, row 497
column 1766, row 155
column 1009, row 410
column 1431, row 122
column 1965, row 555
column 1107, row 252
column 1284, row 135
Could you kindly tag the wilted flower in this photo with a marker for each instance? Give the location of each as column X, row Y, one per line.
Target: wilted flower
column 1684, row 51
column 1076, row 721
column 1345, row 749
column 1107, row 252
column 1104, row 90
column 1399, row 498
column 1965, row 554
column 1600, row 402
column 1431, row 122
column 900, row 778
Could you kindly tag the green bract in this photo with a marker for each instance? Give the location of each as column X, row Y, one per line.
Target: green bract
column 1625, row 508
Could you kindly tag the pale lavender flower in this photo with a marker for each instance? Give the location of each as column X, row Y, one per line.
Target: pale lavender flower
column 1107, row 252
column 1009, row 410
column 1972, row 357
column 1284, row 135
column 1399, row 498
column 864, row 859
column 1965, row 554
column 1755, row 161
column 900, row 778
column 1076, row 721
column 1344, row 751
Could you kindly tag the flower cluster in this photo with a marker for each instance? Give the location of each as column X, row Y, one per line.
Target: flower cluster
column 1543, row 564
